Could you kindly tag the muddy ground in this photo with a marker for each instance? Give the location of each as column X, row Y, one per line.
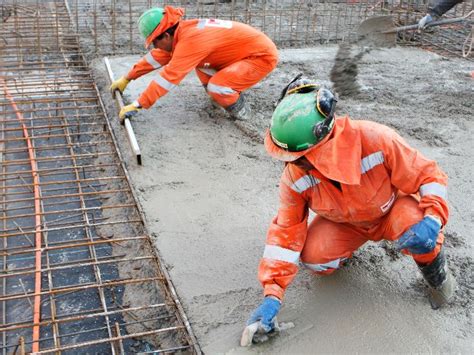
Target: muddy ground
column 209, row 192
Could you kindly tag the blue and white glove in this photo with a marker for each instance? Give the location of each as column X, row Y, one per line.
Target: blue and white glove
column 266, row 313
column 425, row 21
column 421, row 237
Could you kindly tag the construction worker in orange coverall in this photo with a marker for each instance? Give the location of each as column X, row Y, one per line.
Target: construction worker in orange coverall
column 229, row 57
column 363, row 181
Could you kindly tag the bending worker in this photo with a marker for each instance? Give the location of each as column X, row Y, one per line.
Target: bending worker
column 363, row 181
column 435, row 12
column 229, row 57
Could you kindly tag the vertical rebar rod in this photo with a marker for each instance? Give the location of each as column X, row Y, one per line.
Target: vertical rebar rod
column 280, row 13
column 77, row 17
column 56, row 27
column 131, row 24
column 17, row 37
column 264, row 23
column 120, row 342
column 247, row 11
column 348, row 23
column 232, row 10
column 38, row 41
column 114, row 19
column 336, row 37
column 5, row 240
column 96, row 44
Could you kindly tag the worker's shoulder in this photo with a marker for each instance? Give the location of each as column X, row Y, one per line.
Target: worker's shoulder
column 370, row 127
column 293, row 173
column 187, row 25
column 372, row 134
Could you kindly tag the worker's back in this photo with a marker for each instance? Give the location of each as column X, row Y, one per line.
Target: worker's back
column 211, row 43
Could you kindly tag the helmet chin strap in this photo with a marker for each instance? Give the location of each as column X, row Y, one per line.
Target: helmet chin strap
column 285, row 89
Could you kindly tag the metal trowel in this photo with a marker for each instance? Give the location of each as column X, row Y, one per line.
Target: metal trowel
column 380, row 31
column 254, row 334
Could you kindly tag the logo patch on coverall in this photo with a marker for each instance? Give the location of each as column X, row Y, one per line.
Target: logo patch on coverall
column 386, row 206
column 212, row 22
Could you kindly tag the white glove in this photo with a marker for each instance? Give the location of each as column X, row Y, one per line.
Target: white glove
column 425, row 21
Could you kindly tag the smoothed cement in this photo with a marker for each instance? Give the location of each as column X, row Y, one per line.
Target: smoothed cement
column 209, row 193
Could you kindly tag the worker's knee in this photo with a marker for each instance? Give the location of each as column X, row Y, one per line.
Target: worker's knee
column 272, row 61
column 404, row 213
column 322, row 273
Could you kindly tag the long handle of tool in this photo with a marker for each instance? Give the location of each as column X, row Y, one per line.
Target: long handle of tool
column 430, row 24
column 128, row 126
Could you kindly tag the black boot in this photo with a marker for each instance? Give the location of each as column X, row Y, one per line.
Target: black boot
column 240, row 110
column 440, row 280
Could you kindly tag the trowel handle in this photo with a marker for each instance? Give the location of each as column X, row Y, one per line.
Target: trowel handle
column 432, row 24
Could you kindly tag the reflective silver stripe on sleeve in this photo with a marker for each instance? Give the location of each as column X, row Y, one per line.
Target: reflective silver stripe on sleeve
column 208, row 71
column 201, row 23
column 370, row 161
column 223, row 90
column 165, row 83
column 282, row 254
column 149, row 58
column 304, row 183
column 433, row 188
column 136, row 104
column 323, row 267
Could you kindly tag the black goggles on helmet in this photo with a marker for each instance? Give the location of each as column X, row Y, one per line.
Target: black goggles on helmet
column 325, row 102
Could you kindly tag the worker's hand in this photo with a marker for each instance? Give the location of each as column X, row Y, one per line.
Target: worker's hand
column 265, row 314
column 425, row 21
column 129, row 111
column 421, row 237
column 119, row 84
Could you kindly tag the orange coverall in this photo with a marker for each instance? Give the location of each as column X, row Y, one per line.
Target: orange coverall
column 229, row 57
column 367, row 184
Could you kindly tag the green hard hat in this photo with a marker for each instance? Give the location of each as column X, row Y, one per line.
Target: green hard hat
column 294, row 121
column 150, row 20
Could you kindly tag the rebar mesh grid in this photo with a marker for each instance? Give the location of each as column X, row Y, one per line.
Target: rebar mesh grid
column 109, row 27
column 77, row 269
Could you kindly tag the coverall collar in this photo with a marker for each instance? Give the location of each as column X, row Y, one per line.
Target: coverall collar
column 338, row 158
column 175, row 37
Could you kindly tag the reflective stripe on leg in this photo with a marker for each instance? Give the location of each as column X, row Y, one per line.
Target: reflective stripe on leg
column 221, row 90
column 325, row 267
column 224, row 100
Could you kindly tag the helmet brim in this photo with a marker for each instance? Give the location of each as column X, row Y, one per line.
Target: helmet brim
column 279, row 153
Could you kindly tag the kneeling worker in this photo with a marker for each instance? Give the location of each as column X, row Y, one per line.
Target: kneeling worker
column 229, row 57
column 363, row 181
